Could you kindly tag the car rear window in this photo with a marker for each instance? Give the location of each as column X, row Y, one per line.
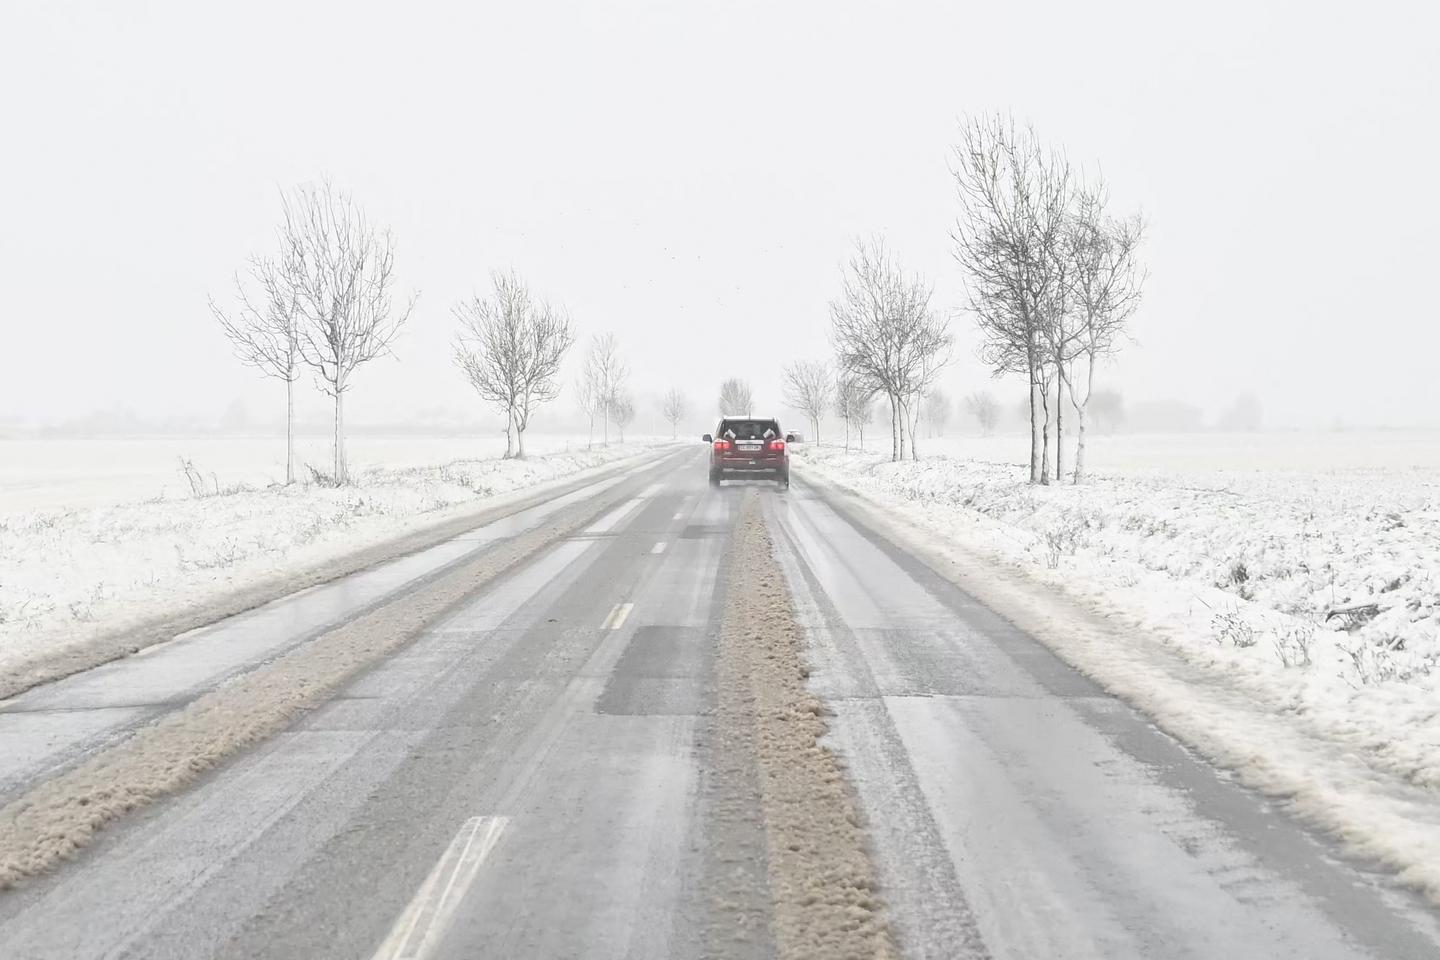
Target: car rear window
column 748, row 429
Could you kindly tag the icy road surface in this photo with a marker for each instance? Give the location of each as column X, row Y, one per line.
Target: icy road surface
column 556, row 768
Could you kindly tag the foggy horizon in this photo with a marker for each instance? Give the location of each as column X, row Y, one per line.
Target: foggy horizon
column 699, row 190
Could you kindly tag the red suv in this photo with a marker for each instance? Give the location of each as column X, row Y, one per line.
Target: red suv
column 748, row 447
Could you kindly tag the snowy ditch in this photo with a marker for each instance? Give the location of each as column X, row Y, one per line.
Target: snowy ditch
column 1286, row 624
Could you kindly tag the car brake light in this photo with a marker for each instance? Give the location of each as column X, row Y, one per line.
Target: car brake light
column 777, row 445
column 722, row 445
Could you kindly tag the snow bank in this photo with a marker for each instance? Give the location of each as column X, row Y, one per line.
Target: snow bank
column 69, row 577
column 1316, row 593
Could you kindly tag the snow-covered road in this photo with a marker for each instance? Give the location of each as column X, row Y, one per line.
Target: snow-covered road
column 587, row 750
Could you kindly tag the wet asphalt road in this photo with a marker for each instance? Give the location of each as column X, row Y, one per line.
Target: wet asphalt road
column 534, row 777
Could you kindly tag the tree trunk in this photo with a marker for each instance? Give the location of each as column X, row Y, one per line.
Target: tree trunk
column 289, row 431
column 1045, row 434
column 894, row 432
column 519, row 442
column 1059, row 420
column 1083, row 408
column 914, row 428
column 340, row 469
column 1034, row 430
column 606, row 425
column 509, row 435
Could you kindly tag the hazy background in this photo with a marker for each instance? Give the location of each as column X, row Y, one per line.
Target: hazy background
column 690, row 177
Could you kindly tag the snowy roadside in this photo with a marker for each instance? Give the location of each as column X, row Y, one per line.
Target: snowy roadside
column 1212, row 593
column 71, row 580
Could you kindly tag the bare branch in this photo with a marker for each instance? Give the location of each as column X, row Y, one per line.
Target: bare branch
column 736, row 398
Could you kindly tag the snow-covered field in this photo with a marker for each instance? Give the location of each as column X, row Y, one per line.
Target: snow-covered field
column 43, row 474
column 90, row 562
column 1301, row 569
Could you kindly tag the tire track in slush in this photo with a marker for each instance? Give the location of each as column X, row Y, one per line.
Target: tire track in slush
column 823, row 886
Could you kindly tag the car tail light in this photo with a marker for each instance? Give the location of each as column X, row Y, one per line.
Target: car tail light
column 778, row 446
column 722, row 445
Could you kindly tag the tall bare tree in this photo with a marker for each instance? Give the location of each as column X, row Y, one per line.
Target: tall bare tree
column 886, row 336
column 984, row 408
column 674, row 408
column 735, row 398
column 1106, row 282
column 262, row 331
column 809, row 387
column 606, row 375
column 511, row 347
column 1009, row 239
column 340, row 270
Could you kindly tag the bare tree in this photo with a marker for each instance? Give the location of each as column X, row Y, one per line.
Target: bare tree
column 587, row 396
column 886, row 337
column 809, row 388
column 511, row 347
column 674, row 408
column 340, row 271
column 937, row 410
column 606, row 376
column 263, row 333
column 853, row 406
column 1009, row 239
column 1105, row 283
column 735, row 398
column 622, row 411
column 985, row 409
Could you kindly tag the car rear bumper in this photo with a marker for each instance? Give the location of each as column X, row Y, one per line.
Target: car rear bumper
column 758, row 465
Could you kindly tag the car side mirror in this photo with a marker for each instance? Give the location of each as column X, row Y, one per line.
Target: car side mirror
column 789, row 438
column 708, row 439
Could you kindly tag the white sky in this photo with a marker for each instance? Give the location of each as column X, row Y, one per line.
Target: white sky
column 690, row 176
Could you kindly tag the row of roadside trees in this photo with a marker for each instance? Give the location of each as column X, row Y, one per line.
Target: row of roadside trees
column 325, row 302
column 1051, row 278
